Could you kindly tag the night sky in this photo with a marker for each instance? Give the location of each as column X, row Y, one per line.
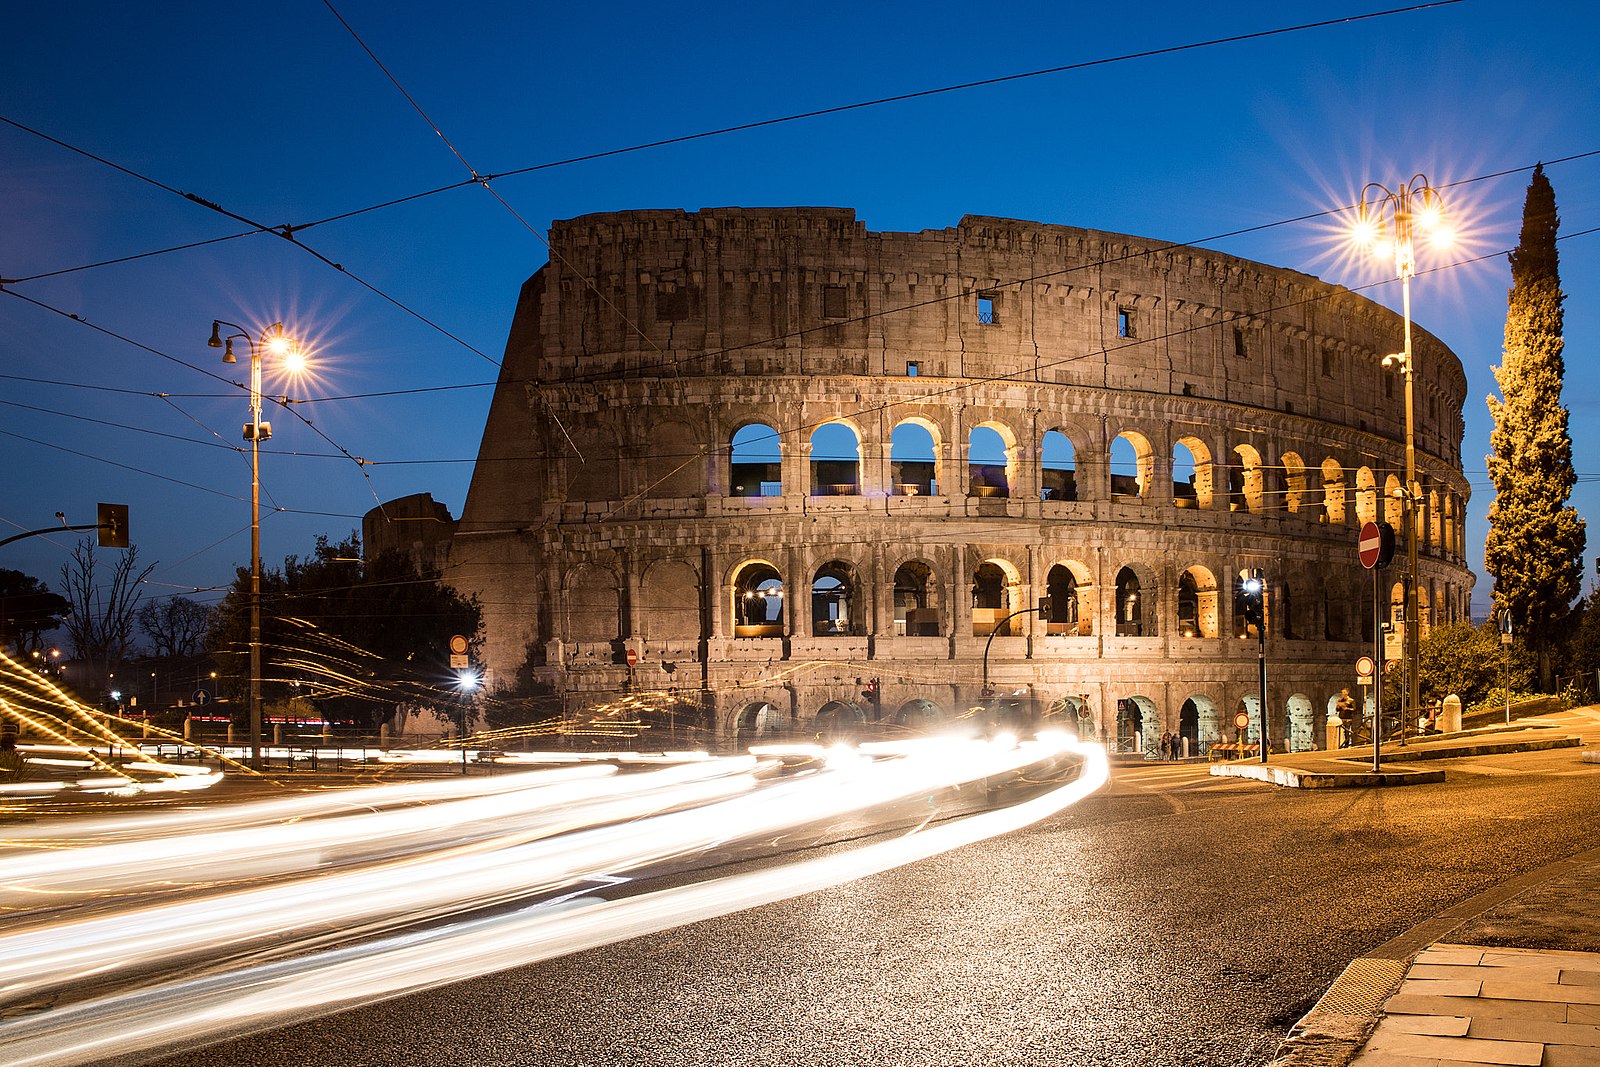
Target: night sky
column 279, row 114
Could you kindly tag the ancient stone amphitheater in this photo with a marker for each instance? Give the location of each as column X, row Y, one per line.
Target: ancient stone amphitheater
column 763, row 472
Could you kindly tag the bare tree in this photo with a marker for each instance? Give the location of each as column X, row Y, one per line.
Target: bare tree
column 101, row 623
column 176, row 626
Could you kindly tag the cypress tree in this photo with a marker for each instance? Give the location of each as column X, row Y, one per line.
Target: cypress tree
column 1534, row 549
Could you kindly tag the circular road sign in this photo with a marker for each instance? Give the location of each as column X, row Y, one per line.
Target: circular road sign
column 202, row 696
column 1242, row 719
column 633, row 657
column 458, row 645
column 1364, row 667
column 1370, row 544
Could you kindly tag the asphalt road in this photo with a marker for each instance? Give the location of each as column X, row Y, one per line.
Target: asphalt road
column 1173, row 919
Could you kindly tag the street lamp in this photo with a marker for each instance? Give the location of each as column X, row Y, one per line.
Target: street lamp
column 272, row 340
column 1392, row 218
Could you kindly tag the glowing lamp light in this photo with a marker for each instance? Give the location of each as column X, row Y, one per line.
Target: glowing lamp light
column 1366, row 232
column 1252, row 585
column 468, row 681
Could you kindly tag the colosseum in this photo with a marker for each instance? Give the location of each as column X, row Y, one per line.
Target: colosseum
column 768, row 473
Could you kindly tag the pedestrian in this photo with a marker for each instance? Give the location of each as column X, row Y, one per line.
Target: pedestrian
column 1344, row 707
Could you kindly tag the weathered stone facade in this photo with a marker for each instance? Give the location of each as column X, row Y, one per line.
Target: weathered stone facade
column 704, row 417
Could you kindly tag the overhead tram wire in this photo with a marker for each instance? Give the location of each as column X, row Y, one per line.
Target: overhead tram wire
column 483, row 179
column 286, row 232
column 597, row 376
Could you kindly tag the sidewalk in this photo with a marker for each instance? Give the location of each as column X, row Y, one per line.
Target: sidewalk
column 1351, row 768
column 1511, row 976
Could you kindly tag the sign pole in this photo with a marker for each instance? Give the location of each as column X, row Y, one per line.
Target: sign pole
column 1377, row 671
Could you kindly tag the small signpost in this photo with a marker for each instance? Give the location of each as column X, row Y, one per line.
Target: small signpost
column 458, row 652
column 1375, row 546
column 1364, row 667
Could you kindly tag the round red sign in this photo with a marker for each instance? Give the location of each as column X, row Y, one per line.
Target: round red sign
column 1241, row 719
column 1370, row 544
column 633, row 657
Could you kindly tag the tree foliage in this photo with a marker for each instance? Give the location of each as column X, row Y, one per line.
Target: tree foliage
column 100, row 625
column 28, row 610
column 1534, row 548
column 1470, row 661
column 176, row 626
column 360, row 637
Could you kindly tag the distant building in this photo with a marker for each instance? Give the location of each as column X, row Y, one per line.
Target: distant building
column 774, row 456
column 416, row 525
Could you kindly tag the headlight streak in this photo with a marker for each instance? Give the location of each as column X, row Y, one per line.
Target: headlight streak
column 252, row 997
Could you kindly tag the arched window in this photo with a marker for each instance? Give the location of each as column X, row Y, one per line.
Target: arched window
column 1366, row 496
column 1197, row 603
column 1332, row 492
column 912, row 461
column 832, row 601
column 758, row 601
column 1130, row 604
column 1191, row 473
column 1244, row 480
column 835, row 461
column 991, row 599
column 1294, row 482
column 916, row 608
column 1068, row 613
column 987, row 463
column 1394, row 505
column 1131, row 465
column 756, row 464
column 1058, row 478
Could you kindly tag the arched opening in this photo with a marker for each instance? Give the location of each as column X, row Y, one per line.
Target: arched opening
column 1058, row 479
column 1394, row 505
column 1070, row 612
column 993, row 597
column 913, row 460
column 1294, row 482
column 762, row 722
column 1131, row 611
column 1366, row 496
column 1138, row 725
column 919, row 715
column 1191, row 473
column 1242, row 627
column 835, row 460
column 1200, row 724
column 1332, row 492
column 758, row 601
column 833, row 594
column 1069, row 713
column 755, row 466
column 988, row 465
column 1302, row 735
column 838, row 720
column 1197, row 603
column 916, row 610
column 594, row 606
column 669, row 594
column 1131, row 466
column 1245, row 484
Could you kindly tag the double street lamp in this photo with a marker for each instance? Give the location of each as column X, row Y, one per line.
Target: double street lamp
column 272, row 341
column 1387, row 222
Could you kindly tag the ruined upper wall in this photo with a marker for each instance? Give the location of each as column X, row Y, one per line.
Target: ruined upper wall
column 811, row 291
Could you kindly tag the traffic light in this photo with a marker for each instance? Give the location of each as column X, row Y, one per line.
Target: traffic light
column 1253, row 591
column 871, row 695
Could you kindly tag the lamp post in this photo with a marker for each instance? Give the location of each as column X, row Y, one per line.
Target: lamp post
column 1039, row 609
column 272, row 340
column 1394, row 217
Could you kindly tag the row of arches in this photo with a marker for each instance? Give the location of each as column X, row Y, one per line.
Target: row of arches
column 1239, row 480
column 1296, row 608
column 1129, row 724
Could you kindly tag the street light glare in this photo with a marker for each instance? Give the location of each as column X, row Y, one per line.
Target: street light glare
column 1365, row 232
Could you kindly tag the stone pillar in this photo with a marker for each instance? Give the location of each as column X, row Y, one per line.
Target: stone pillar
column 1450, row 721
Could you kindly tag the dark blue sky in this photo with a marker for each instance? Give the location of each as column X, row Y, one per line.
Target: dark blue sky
column 276, row 113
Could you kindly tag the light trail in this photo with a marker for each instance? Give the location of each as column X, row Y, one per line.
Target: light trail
column 505, row 880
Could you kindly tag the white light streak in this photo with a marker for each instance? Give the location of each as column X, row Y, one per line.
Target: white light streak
column 369, row 906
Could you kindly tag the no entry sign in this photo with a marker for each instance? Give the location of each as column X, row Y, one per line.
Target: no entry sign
column 1375, row 544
